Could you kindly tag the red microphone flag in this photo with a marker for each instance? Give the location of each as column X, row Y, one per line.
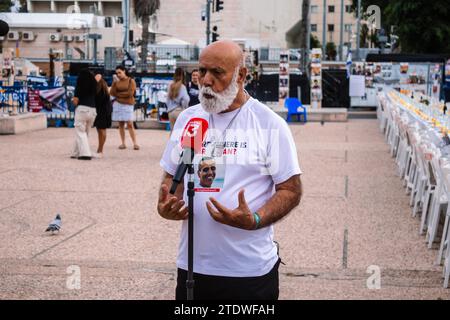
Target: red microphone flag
column 194, row 134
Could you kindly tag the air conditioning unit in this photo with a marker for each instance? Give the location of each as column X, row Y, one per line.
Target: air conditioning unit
column 54, row 37
column 79, row 38
column 27, row 36
column 13, row 35
column 67, row 38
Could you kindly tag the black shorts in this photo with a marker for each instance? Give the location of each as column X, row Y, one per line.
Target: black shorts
column 208, row 287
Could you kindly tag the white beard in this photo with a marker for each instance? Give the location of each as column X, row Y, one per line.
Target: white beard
column 221, row 101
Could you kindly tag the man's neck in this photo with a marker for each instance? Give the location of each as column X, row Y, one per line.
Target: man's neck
column 241, row 98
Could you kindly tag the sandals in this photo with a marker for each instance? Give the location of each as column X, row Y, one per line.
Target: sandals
column 122, row 146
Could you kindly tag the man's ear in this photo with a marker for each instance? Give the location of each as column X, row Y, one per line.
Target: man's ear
column 242, row 75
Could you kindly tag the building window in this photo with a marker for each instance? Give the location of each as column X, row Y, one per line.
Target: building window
column 108, row 22
column 330, row 27
column 348, row 8
column 347, row 27
column 314, row 28
column 330, row 9
column 314, row 9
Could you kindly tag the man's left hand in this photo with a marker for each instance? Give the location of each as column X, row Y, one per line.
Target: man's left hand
column 241, row 217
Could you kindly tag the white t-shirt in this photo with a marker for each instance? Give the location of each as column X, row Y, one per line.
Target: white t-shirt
column 257, row 152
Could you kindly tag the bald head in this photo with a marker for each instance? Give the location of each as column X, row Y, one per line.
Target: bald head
column 221, row 77
column 224, row 51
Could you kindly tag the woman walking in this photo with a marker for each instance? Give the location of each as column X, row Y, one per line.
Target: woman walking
column 84, row 100
column 123, row 107
column 177, row 96
column 104, row 110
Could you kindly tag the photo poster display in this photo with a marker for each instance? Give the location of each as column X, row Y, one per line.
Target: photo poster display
column 151, row 88
column 316, row 78
column 425, row 78
column 153, row 91
column 53, row 100
column 283, row 83
column 7, row 67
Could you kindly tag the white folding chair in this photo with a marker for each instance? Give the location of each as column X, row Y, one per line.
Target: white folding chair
column 394, row 135
column 425, row 157
column 421, row 189
column 440, row 200
column 404, row 149
column 408, row 165
column 447, row 263
column 381, row 111
column 445, row 165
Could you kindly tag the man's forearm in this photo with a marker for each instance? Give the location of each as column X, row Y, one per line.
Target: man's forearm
column 281, row 203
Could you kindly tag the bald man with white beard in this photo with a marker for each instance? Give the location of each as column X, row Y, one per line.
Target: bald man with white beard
column 234, row 253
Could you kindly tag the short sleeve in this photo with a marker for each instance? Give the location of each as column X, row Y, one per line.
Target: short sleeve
column 282, row 160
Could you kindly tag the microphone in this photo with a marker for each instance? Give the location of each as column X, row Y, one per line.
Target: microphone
column 191, row 141
column 4, row 28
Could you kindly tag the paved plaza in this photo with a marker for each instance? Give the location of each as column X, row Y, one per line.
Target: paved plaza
column 353, row 220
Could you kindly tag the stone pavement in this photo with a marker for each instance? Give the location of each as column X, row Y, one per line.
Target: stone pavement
column 354, row 215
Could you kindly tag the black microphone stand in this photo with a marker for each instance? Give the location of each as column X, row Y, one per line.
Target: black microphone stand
column 190, row 193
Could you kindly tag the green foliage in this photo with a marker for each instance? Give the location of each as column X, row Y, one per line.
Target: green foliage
column 421, row 25
column 331, row 51
column 364, row 35
column 314, row 42
column 5, row 5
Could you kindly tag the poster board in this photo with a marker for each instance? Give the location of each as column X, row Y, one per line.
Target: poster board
column 283, row 83
column 357, row 86
column 422, row 77
column 316, row 78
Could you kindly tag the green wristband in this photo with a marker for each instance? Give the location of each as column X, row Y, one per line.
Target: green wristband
column 257, row 219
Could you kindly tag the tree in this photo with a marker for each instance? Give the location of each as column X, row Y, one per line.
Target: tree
column 5, row 5
column 304, row 24
column 314, row 42
column 364, row 35
column 421, row 25
column 331, row 51
column 144, row 9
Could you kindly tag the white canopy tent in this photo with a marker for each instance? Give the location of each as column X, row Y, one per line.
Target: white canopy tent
column 174, row 42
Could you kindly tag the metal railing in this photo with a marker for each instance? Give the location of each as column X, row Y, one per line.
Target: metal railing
column 162, row 52
column 13, row 99
column 273, row 54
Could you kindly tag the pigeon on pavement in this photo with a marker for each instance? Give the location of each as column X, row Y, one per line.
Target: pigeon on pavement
column 55, row 225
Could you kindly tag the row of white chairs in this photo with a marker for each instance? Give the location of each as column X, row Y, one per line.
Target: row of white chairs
column 425, row 171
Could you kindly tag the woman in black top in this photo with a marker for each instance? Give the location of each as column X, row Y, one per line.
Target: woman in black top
column 104, row 110
column 85, row 112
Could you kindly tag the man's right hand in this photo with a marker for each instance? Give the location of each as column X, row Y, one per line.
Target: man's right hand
column 169, row 207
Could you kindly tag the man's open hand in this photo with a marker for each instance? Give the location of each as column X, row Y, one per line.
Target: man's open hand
column 169, row 206
column 241, row 217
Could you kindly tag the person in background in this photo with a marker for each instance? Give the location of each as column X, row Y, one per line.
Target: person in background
column 85, row 113
column 104, row 110
column 193, row 88
column 177, row 96
column 123, row 106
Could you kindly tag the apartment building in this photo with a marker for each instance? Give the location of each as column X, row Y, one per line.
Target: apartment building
column 333, row 9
